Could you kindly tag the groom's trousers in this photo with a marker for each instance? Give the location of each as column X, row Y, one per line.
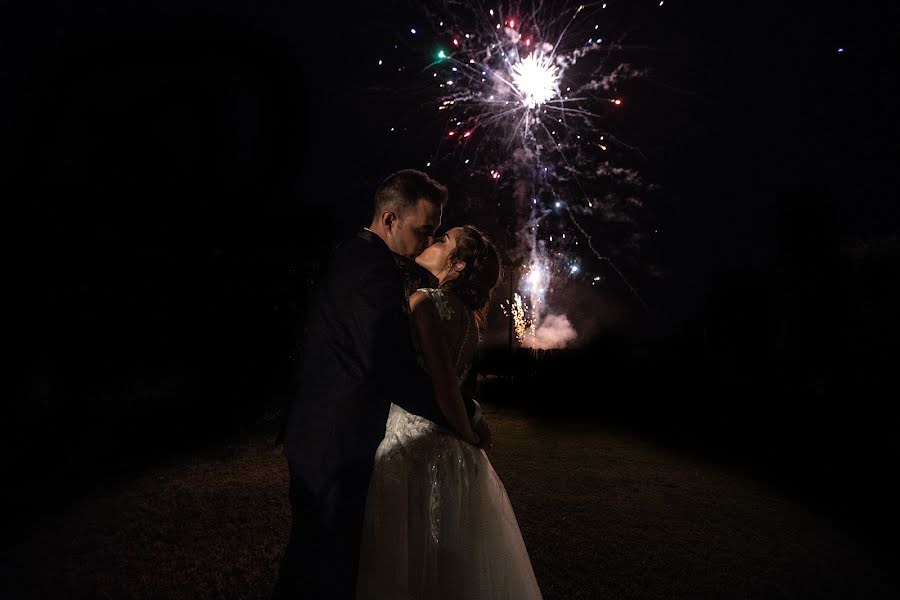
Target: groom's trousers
column 322, row 555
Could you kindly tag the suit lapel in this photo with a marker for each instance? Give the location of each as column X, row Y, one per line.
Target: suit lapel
column 373, row 239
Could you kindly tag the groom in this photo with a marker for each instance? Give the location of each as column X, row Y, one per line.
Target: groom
column 359, row 358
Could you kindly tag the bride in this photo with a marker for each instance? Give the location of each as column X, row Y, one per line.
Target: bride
column 438, row 523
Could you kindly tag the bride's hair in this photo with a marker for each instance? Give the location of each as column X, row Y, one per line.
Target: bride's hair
column 476, row 282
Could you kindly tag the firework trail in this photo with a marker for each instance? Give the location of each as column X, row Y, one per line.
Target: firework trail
column 525, row 92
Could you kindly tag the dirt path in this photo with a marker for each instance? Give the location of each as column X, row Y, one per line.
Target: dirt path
column 604, row 515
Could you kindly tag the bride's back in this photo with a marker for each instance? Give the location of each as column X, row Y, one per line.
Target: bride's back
column 459, row 328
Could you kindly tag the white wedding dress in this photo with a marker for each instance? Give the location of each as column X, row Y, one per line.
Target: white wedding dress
column 438, row 523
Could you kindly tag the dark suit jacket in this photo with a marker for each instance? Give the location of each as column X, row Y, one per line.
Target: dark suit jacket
column 358, row 358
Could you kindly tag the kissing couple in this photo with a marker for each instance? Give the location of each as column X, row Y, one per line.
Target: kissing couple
column 392, row 493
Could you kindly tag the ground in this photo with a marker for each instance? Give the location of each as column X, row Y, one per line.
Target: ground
column 603, row 513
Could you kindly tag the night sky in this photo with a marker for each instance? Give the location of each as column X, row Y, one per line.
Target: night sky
column 174, row 173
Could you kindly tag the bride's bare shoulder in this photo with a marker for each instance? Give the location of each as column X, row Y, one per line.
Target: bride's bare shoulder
column 418, row 297
column 442, row 301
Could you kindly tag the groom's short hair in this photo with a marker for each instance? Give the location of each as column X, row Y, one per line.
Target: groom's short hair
column 401, row 191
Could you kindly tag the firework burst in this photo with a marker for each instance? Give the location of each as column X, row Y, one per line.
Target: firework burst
column 508, row 79
column 535, row 79
column 526, row 92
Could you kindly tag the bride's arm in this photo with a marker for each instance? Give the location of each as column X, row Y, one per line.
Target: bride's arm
column 437, row 360
column 479, row 425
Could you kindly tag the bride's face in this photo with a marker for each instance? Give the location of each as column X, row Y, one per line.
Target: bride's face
column 436, row 257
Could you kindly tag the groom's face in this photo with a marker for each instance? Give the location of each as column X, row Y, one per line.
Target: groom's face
column 415, row 228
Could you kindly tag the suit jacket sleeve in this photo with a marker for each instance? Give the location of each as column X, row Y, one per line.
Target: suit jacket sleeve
column 383, row 329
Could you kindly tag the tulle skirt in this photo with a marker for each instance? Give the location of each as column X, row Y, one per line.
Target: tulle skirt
column 438, row 523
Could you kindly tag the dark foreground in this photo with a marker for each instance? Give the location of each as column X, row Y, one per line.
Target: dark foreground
column 604, row 515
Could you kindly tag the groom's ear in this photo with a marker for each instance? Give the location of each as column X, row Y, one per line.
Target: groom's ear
column 388, row 219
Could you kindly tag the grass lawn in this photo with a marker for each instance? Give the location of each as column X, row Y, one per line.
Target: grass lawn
column 603, row 513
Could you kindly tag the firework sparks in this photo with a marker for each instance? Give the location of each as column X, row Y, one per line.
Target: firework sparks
column 524, row 90
column 519, row 311
column 507, row 68
column 535, row 76
column 536, row 79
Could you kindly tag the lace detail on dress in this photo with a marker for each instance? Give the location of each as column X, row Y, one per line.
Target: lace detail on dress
column 440, row 302
column 405, row 433
column 438, row 522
